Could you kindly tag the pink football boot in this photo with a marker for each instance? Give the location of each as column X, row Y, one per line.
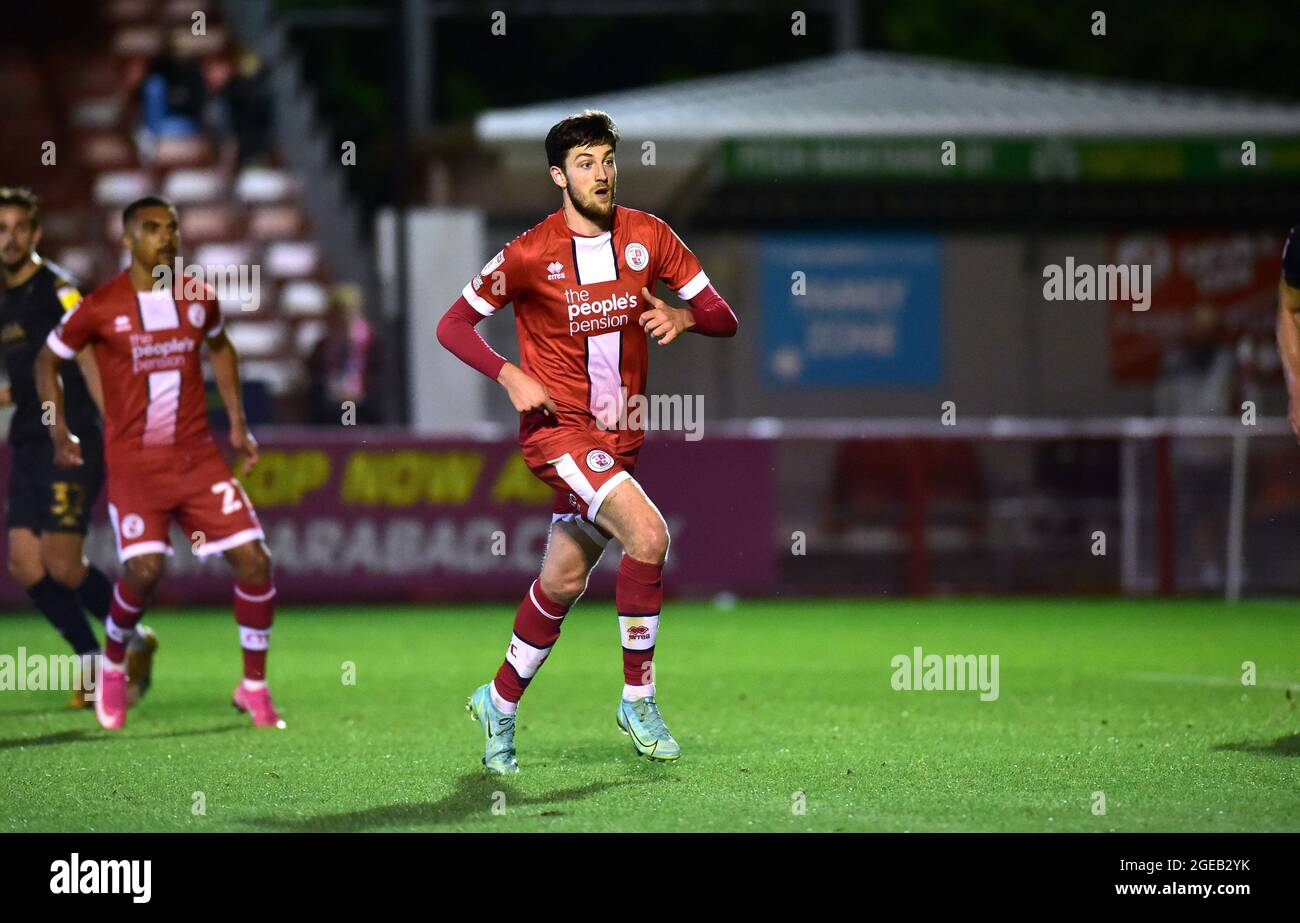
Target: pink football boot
column 110, row 704
column 258, row 704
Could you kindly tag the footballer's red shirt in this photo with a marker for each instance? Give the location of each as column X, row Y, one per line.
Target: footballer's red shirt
column 147, row 346
column 577, row 300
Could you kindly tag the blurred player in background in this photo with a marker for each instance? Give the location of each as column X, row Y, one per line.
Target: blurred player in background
column 163, row 463
column 341, row 365
column 48, row 508
column 1288, row 325
column 580, row 283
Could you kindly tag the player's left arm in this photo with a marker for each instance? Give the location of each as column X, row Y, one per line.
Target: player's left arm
column 708, row 314
column 225, row 369
column 69, row 297
column 90, row 374
column 76, row 330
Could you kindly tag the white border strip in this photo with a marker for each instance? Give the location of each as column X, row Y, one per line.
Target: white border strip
column 139, row 548
column 997, row 428
column 478, row 303
column 536, row 605
column 693, row 287
column 122, row 602
column 230, row 541
column 585, row 527
column 59, row 348
column 270, row 594
column 593, row 506
column 572, row 475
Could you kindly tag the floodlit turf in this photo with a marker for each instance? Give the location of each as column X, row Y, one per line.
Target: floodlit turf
column 1142, row 701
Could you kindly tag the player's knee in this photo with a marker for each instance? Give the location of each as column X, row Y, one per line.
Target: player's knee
column 143, row 573
column 69, row 572
column 649, row 540
column 25, row 568
column 254, row 566
column 564, row 588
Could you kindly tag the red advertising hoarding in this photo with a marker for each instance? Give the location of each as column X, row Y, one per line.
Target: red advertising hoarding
column 361, row 515
column 1235, row 274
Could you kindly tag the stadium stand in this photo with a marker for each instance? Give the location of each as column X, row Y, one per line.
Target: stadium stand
column 86, row 99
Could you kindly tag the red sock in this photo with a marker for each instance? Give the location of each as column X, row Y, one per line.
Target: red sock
column 254, row 610
column 537, row 628
column 124, row 611
column 639, row 595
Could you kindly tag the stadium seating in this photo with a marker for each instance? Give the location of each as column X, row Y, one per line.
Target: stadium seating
column 249, row 216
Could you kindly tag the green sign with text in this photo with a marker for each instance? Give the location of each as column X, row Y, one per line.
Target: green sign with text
column 1011, row 159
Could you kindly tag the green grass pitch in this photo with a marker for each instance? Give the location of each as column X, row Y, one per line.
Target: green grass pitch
column 1139, row 700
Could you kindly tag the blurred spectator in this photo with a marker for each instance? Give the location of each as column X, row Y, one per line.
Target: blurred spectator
column 172, row 95
column 340, row 363
column 247, row 109
column 1198, row 381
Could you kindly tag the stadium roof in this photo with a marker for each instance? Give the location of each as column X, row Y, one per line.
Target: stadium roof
column 881, row 94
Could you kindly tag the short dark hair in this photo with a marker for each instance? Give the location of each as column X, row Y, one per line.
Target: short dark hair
column 23, row 198
column 591, row 126
column 144, row 202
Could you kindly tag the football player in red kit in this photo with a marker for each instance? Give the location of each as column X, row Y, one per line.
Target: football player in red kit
column 163, row 463
column 581, row 283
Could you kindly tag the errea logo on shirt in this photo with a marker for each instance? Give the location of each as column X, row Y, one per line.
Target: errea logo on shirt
column 554, row 270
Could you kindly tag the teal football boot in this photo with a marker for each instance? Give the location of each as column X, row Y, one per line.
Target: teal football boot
column 498, row 730
column 641, row 721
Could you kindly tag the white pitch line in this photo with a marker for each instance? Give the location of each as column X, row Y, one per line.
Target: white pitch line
column 1197, row 679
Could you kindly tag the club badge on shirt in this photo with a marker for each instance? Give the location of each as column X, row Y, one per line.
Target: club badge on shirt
column 637, row 256
column 599, row 461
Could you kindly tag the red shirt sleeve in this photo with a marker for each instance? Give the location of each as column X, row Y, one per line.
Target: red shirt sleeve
column 678, row 266
column 457, row 334
column 713, row 316
column 498, row 281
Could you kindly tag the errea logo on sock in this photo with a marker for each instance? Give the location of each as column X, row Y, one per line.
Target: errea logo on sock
column 103, row 876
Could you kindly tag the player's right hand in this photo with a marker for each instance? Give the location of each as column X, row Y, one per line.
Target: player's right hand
column 67, row 448
column 526, row 392
column 1293, row 414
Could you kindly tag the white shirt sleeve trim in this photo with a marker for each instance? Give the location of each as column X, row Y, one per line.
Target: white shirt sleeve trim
column 482, row 306
column 693, row 287
column 59, row 348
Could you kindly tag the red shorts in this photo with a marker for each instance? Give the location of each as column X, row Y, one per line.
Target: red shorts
column 582, row 471
column 194, row 488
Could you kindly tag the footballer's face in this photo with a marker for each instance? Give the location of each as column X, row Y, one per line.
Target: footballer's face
column 18, row 236
column 592, row 178
column 153, row 236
